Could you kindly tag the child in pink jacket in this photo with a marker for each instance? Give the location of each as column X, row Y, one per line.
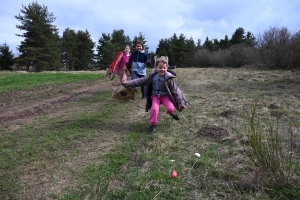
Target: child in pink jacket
column 121, row 65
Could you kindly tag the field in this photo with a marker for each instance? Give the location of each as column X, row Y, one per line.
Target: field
column 62, row 136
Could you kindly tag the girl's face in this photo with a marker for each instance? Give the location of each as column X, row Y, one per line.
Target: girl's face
column 161, row 68
column 139, row 47
column 127, row 50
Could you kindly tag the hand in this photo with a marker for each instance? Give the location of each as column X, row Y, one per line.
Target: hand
column 184, row 107
column 147, row 61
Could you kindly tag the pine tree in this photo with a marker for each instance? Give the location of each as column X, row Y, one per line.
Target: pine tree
column 208, row 44
column 68, row 48
column 104, row 58
column 199, row 46
column 120, row 40
column 238, row 37
column 40, row 47
column 163, row 47
column 109, row 46
column 250, row 40
column 181, row 50
column 224, row 44
column 84, row 53
column 178, row 49
column 6, row 57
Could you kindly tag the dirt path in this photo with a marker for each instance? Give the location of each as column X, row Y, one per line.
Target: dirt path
column 22, row 107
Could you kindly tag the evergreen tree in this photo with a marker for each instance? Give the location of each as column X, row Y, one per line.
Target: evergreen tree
column 216, row 45
column 108, row 57
column 178, row 49
column 189, row 50
column 163, row 47
column 104, row 57
column 40, row 47
column 199, row 46
column 173, row 50
column 120, row 40
column 85, row 53
column 238, row 37
column 250, row 40
column 6, row 57
column 109, row 46
column 224, row 44
column 181, row 50
column 68, row 48
column 208, row 44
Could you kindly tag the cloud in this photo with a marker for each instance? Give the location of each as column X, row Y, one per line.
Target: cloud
column 158, row 19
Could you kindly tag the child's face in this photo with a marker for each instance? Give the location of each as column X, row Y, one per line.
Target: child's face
column 139, row 47
column 161, row 69
column 127, row 50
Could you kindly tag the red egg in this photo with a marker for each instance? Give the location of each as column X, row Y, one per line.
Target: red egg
column 174, row 174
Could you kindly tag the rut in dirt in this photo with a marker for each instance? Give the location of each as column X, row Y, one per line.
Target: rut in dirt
column 28, row 104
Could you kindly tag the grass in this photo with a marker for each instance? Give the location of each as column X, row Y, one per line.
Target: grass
column 20, row 81
column 98, row 147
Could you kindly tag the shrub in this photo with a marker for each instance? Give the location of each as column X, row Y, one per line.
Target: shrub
column 271, row 151
column 200, row 58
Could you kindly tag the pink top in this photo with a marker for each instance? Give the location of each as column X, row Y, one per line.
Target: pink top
column 123, row 61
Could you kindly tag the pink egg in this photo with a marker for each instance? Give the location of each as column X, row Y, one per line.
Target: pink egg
column 174, row 174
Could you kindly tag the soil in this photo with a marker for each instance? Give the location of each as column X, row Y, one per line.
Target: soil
column 214, row 132
column 22, row 107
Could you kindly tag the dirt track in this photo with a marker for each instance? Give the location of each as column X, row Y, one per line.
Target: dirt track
column 22, row 107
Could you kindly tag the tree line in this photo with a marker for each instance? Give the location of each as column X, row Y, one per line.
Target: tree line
column 43, row 49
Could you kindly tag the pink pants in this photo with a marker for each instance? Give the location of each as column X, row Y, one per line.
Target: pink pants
column 154, row 111
column 122, row 75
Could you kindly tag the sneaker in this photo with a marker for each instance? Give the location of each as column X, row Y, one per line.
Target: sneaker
column 152, row 129
column 175, row 116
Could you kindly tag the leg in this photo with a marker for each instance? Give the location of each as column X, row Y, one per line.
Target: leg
column 169, row 107
column 143, row 88
column 154, row 111
column 123, row 76
column 166, row 101
column 134, row 75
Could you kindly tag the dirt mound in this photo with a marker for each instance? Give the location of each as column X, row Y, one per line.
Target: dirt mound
column 213, row 132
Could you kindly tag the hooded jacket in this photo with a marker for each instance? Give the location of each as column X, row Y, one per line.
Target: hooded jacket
column 175, row 94
column 137, row 62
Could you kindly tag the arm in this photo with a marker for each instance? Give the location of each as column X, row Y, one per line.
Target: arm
column 148, row 61
column 178, row 95
column 129, row 65
column 123, row 61
column 136, row 82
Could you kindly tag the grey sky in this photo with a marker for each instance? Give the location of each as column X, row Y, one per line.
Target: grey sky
column 158, row 19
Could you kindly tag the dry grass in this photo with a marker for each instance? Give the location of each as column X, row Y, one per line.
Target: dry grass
column 98, row 147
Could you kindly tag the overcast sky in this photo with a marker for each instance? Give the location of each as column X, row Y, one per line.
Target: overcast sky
column 157, row 19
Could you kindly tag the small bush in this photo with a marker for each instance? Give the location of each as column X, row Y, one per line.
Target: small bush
column 272, row 152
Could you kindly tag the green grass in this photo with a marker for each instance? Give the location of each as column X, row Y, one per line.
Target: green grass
column 97, row 148
column 21, row 81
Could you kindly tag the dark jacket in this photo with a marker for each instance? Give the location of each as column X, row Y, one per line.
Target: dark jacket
column 176, row 95
column 137, row 62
